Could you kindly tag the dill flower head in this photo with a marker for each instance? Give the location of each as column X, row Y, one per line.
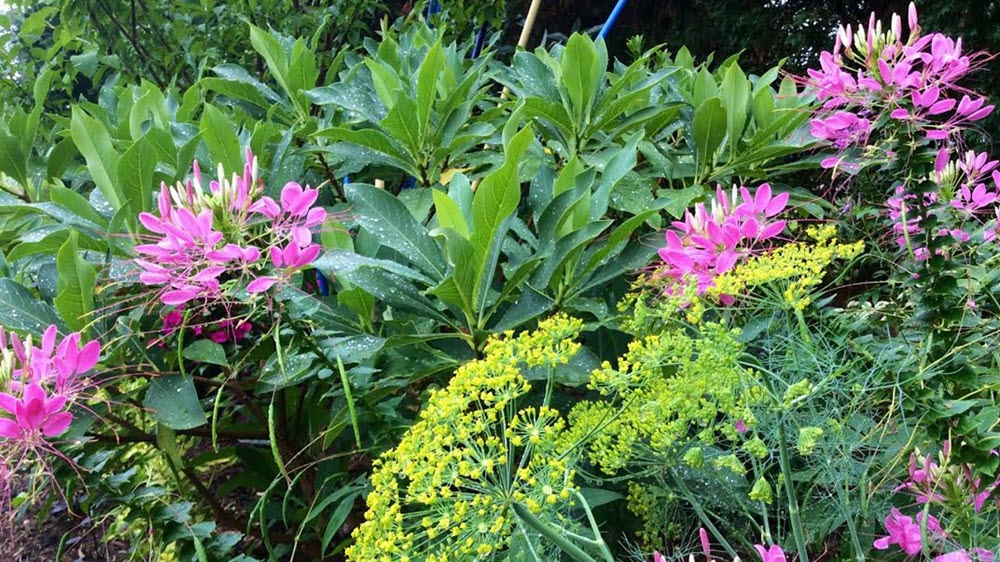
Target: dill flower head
column 447, row 491
column 795, row 269
column 668, row 390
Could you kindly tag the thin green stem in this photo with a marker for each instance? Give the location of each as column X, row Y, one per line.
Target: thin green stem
column 705, row 520
column 793, row 502
column 272, row 428
column 350, row 400
column 552, row 535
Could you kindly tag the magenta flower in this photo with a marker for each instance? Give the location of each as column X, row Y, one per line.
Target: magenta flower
column 34, row 415
column 912, row 79
column 904, row 532
column 286, row 260
column 40, row 384
column 210, row 243
column 774, row 553
column 707, row 243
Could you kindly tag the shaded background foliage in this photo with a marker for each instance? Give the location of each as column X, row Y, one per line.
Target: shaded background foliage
column 174, row 42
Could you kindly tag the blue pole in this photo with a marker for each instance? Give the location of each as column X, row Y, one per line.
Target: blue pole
column 433, row 8
column 480, row 41
column 611, row 19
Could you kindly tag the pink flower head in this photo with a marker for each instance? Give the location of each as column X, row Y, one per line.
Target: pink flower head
column 741, row 426
column 706, row 546
column 774, row 553
column 903, row 531
column 297, row 201
column 209, row 242
column 707, row 243
column 34, row 415
column 842, row 129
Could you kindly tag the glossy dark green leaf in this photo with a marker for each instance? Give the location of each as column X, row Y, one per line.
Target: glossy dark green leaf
column 172, row 400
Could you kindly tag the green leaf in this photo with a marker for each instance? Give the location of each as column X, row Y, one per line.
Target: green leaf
column 404, row 124
column 676, row 201
column 427, row 83
column 392, row 225
column 499, row 194
column 135, row 172
column 13, row 161
column 268, row 46
column 172, row 400
column 387, row 85
column 75, row 285
column 582, row 74
column 708, row 128
column 596, row 496
column 22, row 311
column 553, row 112
column 206, row 351
column 735, row 97
column 448, row 213
column 221, row 139
column 705, row 87
column 620, row 164
column 394, row 290
column 374, row 140
column 94, row 142
column 493, row 205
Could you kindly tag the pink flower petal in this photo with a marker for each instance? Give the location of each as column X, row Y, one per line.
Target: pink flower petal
column 261, row 284
column 57, row 424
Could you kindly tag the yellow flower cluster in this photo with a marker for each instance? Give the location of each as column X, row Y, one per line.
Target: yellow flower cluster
column 668, row 389
column 798, row 267
column 652, row 505
column 446, row 492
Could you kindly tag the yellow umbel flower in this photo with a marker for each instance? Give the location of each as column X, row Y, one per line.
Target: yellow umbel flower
column 446, row 492
column 667, row 390
column 794, row 269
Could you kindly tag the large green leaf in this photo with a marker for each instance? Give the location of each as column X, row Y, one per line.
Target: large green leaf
column 206, row 351
column 135, row 172
column 13, row 161
column 493, row 205
column 427, row 83
column 582, row 73
column 389, row 222
column 173, row 401
column 268, row 46
column 75, row 298
column 735, row 97
column 94, row 142
column 403, row 123
column 24, row 312
column 394, row 290
column 373, row 140
column 221, row 139
column 708, row 128
column 620, row 164
column 449, row 214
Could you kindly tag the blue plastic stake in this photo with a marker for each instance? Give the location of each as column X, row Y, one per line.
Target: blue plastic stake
column 433, row 8
column 480, row 41
column 611, row 19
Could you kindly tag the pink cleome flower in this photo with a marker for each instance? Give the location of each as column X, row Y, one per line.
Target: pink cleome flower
column 905, row 532
column 873, row 73
column 210, row 243
column 39, row 385
column 774, row 553
column 707, row 243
